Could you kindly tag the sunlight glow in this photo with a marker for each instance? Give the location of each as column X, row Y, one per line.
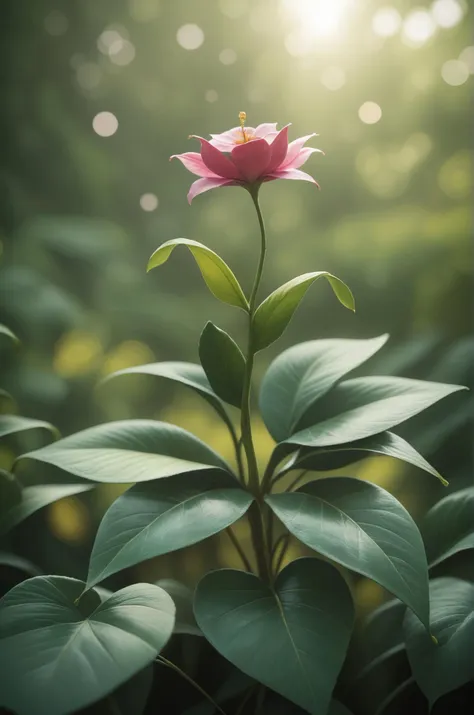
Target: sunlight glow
column 370, row 113
column 386, row 22
column 418, row 27
column 190, row 37
column 316, row 18
column 455, row 72
column 447, row 13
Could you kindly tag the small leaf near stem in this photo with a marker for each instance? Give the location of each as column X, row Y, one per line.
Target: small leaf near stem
column 173, row 666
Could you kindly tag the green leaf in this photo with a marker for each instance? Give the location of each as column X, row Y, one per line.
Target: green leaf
column 159, row 517
column 186, row 373
column 223, row 363
column 292, row 638
column 364, row 528
column 439, row 669
column 273, row 315
column 182, row 597
column 19, row 563
column 364, row 406
column 386, row 444
column 218, row 277
column 58, row 657
column 449, row 526
column 36, row 497
column 381, row 636
column 129, row 699
column 4, row 331
column 10, row 492
column 129, row 451
column 303, row 374
column 12, row 424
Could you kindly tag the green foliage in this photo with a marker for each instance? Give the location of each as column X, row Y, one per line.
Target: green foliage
column 364, row 528
column 273, row 315
column 223, row 363
column 448, row 527
column 51, row 639
column 292, row 638
column 12, row 424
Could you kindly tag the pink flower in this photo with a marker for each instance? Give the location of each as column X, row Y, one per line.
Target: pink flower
column 244, row 156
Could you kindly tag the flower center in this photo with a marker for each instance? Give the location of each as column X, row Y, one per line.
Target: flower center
column 246, row 135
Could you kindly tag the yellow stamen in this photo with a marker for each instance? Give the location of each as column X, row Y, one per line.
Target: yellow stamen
column 242, row 118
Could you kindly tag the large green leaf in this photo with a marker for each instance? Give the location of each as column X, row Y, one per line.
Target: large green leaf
column 449, row 526
column 219, row 278
column 58, row 657
column 129, row 451
column 439, row 669
column 364, row 528
column 358, row 408
column 34, row 498
column 292, row 638
column 12, row 424
column 158, row 517
column 186, row 373
column 386, row 444
column 223, row 363
column 303, row 374
column 273, row 315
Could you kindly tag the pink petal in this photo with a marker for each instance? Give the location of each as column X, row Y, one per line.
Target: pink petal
column 217, row 162
column 227, row 140
column 299, row 159
column 264, row 129
column 295, row 174
column 295, row 147
column 202, row 185
column 252, row 158
column 279, row 148
column 194, row 163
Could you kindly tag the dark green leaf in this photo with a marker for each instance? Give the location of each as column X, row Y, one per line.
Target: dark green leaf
column 273, row 315
column 364, row 528
column 36, row 497
column 449, row 526
column 365, row 406
column 223, row 364
column 439, row 669
column 219, row 278
column 6, row 332
column 10, row 492
column 58, row 657
column 183, row 600
column 129, row 451
column 304, row 373
column 12, row 424
column 292, row 638
column 18, row 562
column 129, row 699
column 381, row 636
column 158, row 517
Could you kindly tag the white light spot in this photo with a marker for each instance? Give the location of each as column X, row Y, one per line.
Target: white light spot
column 88, row 75
column 105, row 124
column 149, row 202
column 370, row 113
column 211, row 96
column 333, row 78
column 386, row 22
column 467, row 56
column 190, row 37
column 316, row 18
column 56, row 23
column 106, row 39
column 228, row 57
column 418, row 27
column 121, row 52
column 233, row 9
column 447, row 13
column 454, row 72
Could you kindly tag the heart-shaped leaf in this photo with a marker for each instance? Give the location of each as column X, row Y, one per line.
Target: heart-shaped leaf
column 129, row 451
column 58, row 657
column 292, row 638
column 35, row 498
column 364, row 406
column 158, row 517
column 439, row 669
column 386, row 444
column 223, row 363
column 12, row 424
column 364, row 528
column 218, row 277
column 304, row 373
column 273, row 315
column 449, row 526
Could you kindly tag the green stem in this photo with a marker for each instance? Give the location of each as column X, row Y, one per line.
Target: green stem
column 285, row 542
column 169, row 664
column 239, row 549
column 255, row 513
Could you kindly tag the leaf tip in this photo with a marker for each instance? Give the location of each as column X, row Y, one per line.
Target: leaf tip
column 434, row 639
column 443, row 481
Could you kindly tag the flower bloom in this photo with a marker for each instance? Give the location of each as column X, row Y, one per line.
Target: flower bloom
column 244, row 156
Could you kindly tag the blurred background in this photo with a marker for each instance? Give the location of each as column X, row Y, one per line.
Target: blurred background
column 95, row 98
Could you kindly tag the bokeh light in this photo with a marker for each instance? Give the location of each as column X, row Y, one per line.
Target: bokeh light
column 190, row 37
column 370, row 113
column 211, row 96
column 228, row 56
column 149, row 202
column 316, row 18
column 454, row 72
column 447, row 13
column 121, row 52
column 467, row 56
column 418, row 27
column 387, row 21
column 105, row 124
column 333, row 78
